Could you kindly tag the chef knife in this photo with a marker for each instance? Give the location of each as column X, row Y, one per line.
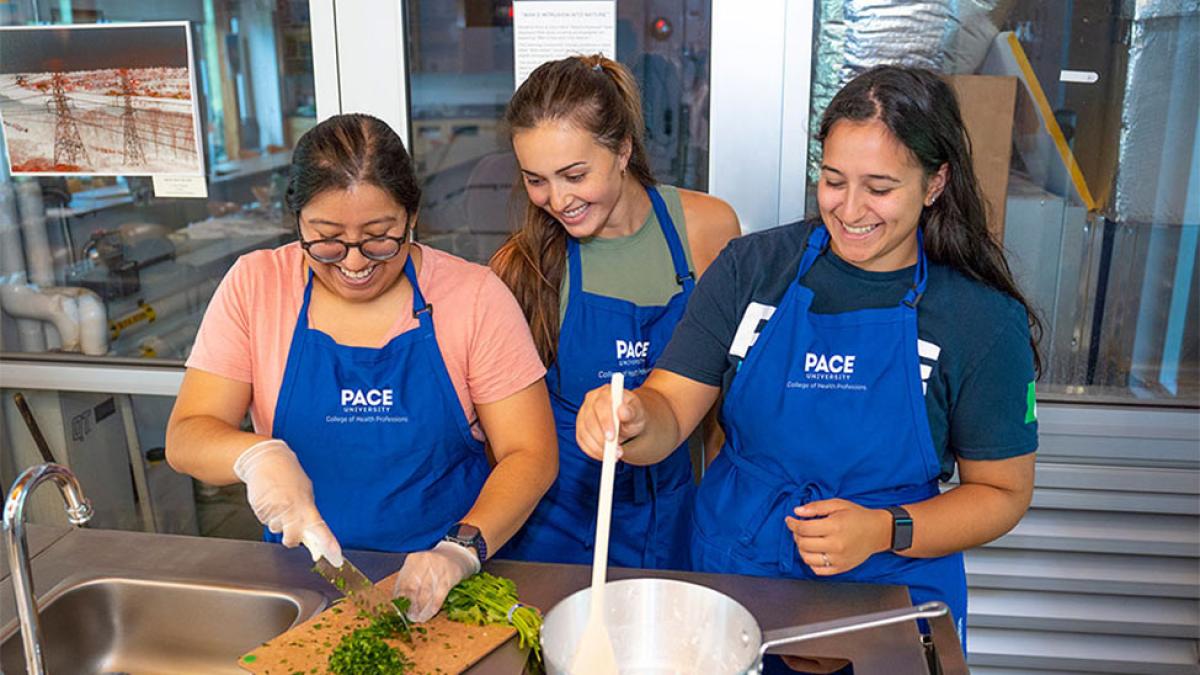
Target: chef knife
column 357, row 588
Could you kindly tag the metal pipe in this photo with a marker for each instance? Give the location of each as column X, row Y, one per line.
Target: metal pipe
column 93, row 323
column 77, row 314
column 79, row 511
column 30, row 302
column 38, row 260
column 12, row 265
column 33, row 227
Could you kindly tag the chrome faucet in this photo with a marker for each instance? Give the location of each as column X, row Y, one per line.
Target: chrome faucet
column 79, row 511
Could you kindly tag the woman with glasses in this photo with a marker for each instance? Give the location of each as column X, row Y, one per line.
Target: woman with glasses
column 373, row 369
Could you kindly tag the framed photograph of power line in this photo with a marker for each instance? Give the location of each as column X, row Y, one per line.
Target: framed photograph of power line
column 100, row 99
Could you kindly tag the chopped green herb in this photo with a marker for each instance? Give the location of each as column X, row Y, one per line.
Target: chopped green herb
column 249, row 658
column 364, row 652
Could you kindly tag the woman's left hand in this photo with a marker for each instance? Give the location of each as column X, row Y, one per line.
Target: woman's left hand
column 427, row 577
column 836, row 536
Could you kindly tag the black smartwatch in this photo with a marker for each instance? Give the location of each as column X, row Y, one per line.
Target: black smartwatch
column 468, row 536
column 902, row 528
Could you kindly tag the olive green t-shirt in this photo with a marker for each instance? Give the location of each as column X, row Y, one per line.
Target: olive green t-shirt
column 636, row 268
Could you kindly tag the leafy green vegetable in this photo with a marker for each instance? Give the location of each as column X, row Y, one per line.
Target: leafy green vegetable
column 364, row 652
column 488, row 599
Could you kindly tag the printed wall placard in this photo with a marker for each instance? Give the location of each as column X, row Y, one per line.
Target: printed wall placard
column 100, row 99
column 548, row 30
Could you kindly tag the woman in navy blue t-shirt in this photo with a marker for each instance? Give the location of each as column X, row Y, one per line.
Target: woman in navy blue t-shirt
column 862, row 356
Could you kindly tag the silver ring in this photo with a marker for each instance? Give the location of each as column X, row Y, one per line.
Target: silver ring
column 825, row 560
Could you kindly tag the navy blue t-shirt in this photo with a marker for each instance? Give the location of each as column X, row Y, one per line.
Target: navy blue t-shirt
column 979, row 389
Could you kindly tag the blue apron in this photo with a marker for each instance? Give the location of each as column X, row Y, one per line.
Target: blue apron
column 824, row 406
column 381, row 434
column 651, row 505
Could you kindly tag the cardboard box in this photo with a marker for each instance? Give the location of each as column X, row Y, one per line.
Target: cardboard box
column 987, row 103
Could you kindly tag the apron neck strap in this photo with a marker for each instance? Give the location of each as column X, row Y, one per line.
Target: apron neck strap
column 574, row 268
column 422, row 311
column 308, row 286
column 920, row 274
column 818, row 241
column 683, row 276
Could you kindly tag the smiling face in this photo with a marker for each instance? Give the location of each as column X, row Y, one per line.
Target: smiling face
column 572, row 177
column 359, row 212
column 871, row 193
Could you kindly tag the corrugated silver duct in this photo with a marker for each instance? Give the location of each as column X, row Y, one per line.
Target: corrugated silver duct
column 950, row 36
column 1141, row 10
column 1158, row 134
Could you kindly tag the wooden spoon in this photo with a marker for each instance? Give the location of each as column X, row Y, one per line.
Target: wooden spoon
column 595, row 655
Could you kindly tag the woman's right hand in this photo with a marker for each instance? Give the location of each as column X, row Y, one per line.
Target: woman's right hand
column 594, row 423
column 281, row 496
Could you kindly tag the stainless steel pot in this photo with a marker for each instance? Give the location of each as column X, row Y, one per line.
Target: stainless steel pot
column 663, row 626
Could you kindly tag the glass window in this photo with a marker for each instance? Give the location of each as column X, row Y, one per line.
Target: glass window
column 461, row 78
column 1100, row 213
column 151, row 263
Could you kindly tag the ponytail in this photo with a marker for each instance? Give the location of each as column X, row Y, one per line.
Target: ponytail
column 597, row 95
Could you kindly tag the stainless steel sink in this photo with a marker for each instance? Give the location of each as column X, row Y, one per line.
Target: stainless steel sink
column 149, row 627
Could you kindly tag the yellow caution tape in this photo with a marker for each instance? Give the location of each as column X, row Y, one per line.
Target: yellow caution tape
column 1056, row 134
column 144, row 312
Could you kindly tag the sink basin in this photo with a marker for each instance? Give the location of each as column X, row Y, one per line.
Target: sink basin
column 146, row 627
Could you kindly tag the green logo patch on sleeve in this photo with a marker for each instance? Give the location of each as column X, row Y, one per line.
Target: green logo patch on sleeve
column 1031, row 403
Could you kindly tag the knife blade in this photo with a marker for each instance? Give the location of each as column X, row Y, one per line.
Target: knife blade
column 356, row 587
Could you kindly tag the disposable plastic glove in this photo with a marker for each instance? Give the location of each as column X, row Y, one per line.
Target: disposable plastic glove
column 282, row 498
column 428, row 576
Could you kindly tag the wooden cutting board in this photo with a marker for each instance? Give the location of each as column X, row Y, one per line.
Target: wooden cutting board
column 446, row 646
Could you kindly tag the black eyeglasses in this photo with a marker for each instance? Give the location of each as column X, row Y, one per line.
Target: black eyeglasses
column 335, row 250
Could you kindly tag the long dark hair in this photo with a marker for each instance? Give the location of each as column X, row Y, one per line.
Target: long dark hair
column 921, row 110
column 345, row 150
column 597, row 95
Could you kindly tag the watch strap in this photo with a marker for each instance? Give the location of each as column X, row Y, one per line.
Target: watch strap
column 468, row 536
column 902, row 528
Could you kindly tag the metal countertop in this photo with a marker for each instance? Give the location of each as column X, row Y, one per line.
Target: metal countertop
column 64, row 555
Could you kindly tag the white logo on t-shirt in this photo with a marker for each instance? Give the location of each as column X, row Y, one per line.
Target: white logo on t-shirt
column 748, row 330
column 929, row 354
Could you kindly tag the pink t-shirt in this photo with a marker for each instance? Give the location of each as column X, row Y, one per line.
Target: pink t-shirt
column 484, row 339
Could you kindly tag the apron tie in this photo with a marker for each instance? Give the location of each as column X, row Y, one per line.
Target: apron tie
column 788, row 495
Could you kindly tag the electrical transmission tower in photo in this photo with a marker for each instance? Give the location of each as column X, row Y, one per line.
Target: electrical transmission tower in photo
column 134, row 154
column 68, row 146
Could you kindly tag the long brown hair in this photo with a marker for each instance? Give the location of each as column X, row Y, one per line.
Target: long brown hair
column 597, row 95
column 921, row 110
